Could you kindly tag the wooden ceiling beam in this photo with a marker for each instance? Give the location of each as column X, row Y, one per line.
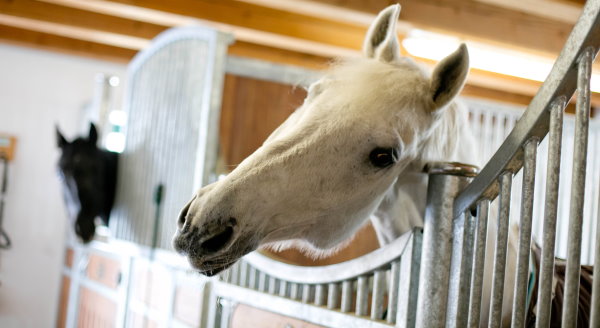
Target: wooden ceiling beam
column 70, row 16
column 559, row 11
column 61, row 44
column 468, row 19
column 261, row 18
column 79, row 33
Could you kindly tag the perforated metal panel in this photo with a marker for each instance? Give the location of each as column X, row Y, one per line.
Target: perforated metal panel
column 173, row 102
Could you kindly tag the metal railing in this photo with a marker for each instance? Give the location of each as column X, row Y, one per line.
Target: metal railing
column 375, row 290
column 572, row 71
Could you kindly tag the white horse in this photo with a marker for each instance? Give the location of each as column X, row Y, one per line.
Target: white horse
column 353, row 151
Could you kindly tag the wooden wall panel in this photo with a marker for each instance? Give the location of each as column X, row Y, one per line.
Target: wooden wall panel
column 251, row 110
column 104, row 270
column 95, row 310
column 63, row 304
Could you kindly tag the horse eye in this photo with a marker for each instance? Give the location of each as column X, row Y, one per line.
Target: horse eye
column 383, row 157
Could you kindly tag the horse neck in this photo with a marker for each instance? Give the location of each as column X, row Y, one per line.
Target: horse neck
column 109, row 182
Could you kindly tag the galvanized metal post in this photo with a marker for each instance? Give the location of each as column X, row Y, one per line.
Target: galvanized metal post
column 495, row 318
column 522, row 279
column 571, row 299
column 544, row 298
column 478, row 264
column 446, row 180
column 460, row 269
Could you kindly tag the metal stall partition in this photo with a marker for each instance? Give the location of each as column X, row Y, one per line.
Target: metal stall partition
column 173, row 102
column 571, row 71
column 376, row 290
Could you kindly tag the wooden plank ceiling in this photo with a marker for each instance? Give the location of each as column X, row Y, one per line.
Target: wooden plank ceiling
column 300, row 32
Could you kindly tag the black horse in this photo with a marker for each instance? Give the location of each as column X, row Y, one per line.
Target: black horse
column 89, row 180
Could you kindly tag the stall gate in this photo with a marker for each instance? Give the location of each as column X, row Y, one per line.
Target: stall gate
column 172, row 101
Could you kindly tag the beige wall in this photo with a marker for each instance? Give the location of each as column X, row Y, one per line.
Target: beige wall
column 37, row 90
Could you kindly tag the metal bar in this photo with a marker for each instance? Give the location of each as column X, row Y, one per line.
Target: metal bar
column 393, row 292
column 235, row 274
column 522, row 278
column 410, row 266
column 346, row 296
column 333, row 296
column 320, row 295
column 377, row 298
column 495, row 319
column 244, row 267
column 362, row 295
column 437, row 242
column 252, row 281
column 478, row 263
column 582, row 120
column 306, row 293
column 294, row 291
column 534, row 122
column 544, row 297
column 272, row 285
column 461, row 267
column 283, row 288
column 595, row 315
column 262, row 281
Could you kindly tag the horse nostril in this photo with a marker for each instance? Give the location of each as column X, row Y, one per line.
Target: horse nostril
column 219, row 240
column 183, row 215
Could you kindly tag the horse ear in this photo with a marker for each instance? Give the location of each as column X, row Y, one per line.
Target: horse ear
column 93, row 136
column 381, row 41
column 449, row 76
column 60, row 140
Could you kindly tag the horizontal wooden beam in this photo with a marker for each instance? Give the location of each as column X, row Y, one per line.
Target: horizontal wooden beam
column 470, row 19
column 246, row 15
column 61, row 44
column 558, row 11
column 149, row 12
column 72, row 16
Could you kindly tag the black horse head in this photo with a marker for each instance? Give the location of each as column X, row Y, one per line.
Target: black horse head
column 89, row 179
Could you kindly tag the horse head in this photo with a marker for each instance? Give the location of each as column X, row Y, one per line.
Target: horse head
column 89, row 176
column 323, row 172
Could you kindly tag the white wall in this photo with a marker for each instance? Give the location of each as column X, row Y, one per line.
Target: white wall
column 37, row 90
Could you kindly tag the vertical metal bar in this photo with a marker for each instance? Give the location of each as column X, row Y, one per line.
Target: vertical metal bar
column 522, row 278
column 495, row 319
column 283, row 288
column 582, row 120
column 252, row 281
column 377, row 298
column 346, row 296
column 393, row 292
column 320, row 295
column 410, row 266
column 272, row 285
column 478, row 263
column 244, row 268
column 235, row 273
column 262, row 281
column 437, row 242
column 294, row 291
column 306, row 293
column 550, row 210
column 333, row 296
column 595, row 315
column 362, row 295
column 461, row 266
